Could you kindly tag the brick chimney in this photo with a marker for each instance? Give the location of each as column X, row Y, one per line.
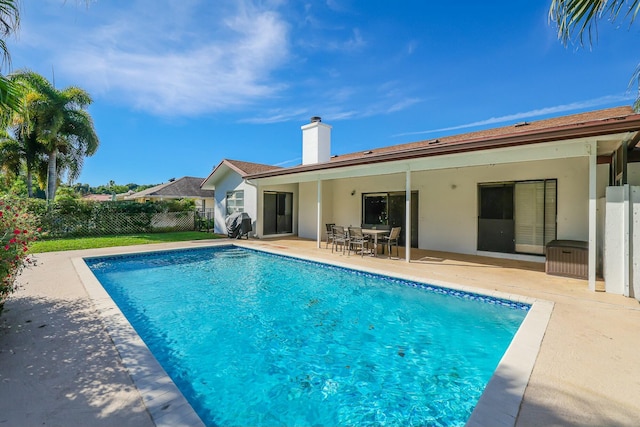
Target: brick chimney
column 316, row 142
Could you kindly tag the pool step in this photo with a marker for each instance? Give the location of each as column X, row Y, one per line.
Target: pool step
column 232, row 253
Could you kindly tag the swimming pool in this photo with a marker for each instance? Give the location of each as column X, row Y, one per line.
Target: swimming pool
column 257, row 339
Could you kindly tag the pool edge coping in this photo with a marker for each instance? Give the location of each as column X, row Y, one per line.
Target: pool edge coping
column 164, row 402
column 498, row 405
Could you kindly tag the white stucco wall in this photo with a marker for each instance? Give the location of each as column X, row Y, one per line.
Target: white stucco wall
column 206, row 203
column 635, row 238
column 308, row 207
column 622, row 228
column 232, row 181
column 448, row 199
column 614, row 241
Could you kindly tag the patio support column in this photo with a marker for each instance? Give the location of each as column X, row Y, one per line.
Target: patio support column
column 407, row 220
column 259, row 212
column 592, row 215
column 319, row 216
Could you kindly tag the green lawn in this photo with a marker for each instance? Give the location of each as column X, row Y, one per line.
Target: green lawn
column 109, row 241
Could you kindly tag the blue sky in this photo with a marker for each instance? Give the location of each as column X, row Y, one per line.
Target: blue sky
column 179, row 85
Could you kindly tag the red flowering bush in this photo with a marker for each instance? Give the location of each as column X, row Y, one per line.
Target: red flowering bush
column 17, row 229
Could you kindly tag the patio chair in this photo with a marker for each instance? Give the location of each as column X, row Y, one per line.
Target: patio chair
column 340, row 237
column 329, row 234
column 356, row 238
column 392, row 239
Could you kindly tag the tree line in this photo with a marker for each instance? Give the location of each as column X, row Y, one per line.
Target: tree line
column 110, row 188
column 45, row 132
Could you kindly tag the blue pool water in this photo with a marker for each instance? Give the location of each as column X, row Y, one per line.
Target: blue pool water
column 255, row 339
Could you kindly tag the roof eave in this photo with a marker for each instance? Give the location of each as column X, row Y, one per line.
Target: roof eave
column 224, row 163
column 584, row 130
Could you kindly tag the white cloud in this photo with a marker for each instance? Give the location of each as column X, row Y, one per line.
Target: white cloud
column 160, row 58
column 277, row 116
column 574, row 106
column 182, row 58
column 403, row 104
column 296, row 160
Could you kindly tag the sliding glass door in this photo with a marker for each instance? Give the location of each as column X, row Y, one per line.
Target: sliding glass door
column 535, row 215
column 517, row 217
column 495, row 218
column 277, row 213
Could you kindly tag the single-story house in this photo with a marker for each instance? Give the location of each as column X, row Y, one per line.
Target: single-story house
column 121, row 196
column 504, row 192
column 187, row 187
column 98, row 197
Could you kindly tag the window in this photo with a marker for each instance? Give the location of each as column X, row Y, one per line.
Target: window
column 374, row 209
column 386, row 210
column 235, row 201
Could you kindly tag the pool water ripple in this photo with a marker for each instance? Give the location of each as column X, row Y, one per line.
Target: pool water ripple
column 257, row 339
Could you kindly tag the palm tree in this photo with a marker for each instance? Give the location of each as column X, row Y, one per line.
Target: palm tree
column 580, row 16
column 9, row 23
column 20, row 151
column 19, row 148
column 10, row 155
column 59, row 123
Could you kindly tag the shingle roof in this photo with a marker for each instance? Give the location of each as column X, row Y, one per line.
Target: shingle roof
column 601, row 122
column 185, row 187
column 98, row 197
column 248, row 168
column 522, row 127
column 241, row 168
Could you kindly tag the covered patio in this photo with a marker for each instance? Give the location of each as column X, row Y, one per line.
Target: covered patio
column 437, row 197
column 553, row 177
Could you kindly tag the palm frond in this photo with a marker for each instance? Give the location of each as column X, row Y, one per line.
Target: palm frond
column 79, row 126
column 9, row 24
column 575, row 17
column 76, row 98
column 635, row 82
column 70, row 164
column 11, row 99
column 10, row 154
column 9, row 16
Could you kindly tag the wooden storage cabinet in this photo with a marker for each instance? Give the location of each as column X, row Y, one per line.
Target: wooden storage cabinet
column 568, row 258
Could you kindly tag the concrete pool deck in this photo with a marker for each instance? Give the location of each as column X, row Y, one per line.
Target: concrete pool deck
column 59, row 366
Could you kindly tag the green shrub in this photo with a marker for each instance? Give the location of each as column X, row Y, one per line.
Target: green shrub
column 68, row 217
column 18, row 229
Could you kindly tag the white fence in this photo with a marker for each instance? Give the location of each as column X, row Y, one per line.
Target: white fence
column 622, row 240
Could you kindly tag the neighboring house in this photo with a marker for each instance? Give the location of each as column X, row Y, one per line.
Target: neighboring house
column 503, row 192
column 98, row 197
column 121, row 196
column 187, row 187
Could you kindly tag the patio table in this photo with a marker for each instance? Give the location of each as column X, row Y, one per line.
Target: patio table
column 375, row 233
